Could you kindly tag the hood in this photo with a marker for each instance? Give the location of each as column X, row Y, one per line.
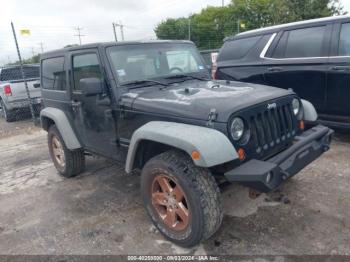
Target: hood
column 196, row 99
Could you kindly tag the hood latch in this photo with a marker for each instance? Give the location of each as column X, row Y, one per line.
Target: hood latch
column 212, row 117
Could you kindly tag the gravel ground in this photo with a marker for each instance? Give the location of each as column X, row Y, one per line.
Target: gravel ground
column 100, row 211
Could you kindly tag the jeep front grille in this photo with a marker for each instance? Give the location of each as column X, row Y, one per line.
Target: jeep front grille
column 271, row 129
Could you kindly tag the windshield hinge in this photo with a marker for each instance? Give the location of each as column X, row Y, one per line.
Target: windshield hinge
column 212, row 117
column 121, row 111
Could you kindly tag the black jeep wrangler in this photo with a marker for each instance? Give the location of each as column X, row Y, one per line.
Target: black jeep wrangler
column 152, row 105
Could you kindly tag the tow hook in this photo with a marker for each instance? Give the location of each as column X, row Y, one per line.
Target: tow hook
column 254, row 194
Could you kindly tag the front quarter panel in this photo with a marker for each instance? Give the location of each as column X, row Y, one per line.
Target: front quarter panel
column 214, row 147
column 310, row 113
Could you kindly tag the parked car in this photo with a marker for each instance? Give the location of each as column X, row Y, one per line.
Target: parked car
column 311, row 57
column 210, row 57
column 13, row 94
column 152, row 106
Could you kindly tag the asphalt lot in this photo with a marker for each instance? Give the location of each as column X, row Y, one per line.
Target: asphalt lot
column 101, row 212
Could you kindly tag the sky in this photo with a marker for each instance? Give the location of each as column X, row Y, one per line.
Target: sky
column 53, row 23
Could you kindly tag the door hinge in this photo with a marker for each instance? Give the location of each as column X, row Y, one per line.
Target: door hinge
column 121, row 112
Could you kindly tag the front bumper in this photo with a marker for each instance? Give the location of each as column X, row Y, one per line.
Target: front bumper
column 268, row 175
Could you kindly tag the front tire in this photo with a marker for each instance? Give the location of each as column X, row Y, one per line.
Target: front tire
column 67, row 162
column 182, row 200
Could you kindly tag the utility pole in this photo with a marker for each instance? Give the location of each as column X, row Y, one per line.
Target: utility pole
column 121, row 29
column 33, row 51
column 223, row 3
column 115, row 33
column 41, row 47
column 238, row 25
column 22, row 73
column 79, row 34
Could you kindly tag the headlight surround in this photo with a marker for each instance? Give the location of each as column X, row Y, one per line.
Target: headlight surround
column 237, row 128
column 296, row 106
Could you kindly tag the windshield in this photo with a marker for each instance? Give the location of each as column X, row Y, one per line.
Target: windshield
column 150, row 61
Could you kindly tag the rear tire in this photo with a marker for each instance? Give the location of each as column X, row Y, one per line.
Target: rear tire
column 68, row 163
column 196, row 214
column 7, row 114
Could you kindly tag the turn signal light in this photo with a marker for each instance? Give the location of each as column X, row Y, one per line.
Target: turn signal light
column 302, row 125
column 7, row 90
column 195, row 155
column 214, row 71
column 241, row 154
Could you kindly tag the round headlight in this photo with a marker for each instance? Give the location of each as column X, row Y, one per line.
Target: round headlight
column 237, row 128
column 296, row 106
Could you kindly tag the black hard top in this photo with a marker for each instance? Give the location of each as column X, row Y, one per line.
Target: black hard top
column 277, row 28
column 61, row 51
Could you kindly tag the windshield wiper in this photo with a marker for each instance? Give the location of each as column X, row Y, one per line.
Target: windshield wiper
column 143, row 82
column 189, row 76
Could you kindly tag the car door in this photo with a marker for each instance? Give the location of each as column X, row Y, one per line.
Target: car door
column 93, row 117
column 338, row 77
column 298, row 60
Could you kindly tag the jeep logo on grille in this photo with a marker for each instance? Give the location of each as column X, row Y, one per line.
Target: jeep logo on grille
column 271, row 106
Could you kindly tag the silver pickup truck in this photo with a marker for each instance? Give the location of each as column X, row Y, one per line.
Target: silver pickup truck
column 13, row 94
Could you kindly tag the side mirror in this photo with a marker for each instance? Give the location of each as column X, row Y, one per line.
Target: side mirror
column 36, row 85
column 91, row 86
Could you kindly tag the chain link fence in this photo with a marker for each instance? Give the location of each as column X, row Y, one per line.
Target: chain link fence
column 16, row 101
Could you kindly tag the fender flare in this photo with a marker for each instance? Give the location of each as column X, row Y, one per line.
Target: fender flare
column 63, row 125
column 310, row 113
column 214, row 147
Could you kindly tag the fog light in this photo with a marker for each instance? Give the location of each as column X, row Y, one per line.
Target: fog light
column 268, row 177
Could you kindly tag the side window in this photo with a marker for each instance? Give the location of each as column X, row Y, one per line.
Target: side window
column 85, row 66
column 344, row 40
column 237, row 49
column 53, row 73
column 306, row 42
column 279, row 50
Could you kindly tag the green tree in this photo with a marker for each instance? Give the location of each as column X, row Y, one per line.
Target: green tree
column 261, row 13
column 32, row 60
column 210, row 26
column 173, row 29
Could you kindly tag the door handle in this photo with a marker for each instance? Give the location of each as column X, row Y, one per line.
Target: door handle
column 275, row 69
column 340, row 68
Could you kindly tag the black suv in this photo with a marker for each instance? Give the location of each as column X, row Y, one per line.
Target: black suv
column 151, row 106
column 311, row 57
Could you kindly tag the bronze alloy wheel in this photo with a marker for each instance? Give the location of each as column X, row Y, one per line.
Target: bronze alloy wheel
column 169, row 201
column 58, row 152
